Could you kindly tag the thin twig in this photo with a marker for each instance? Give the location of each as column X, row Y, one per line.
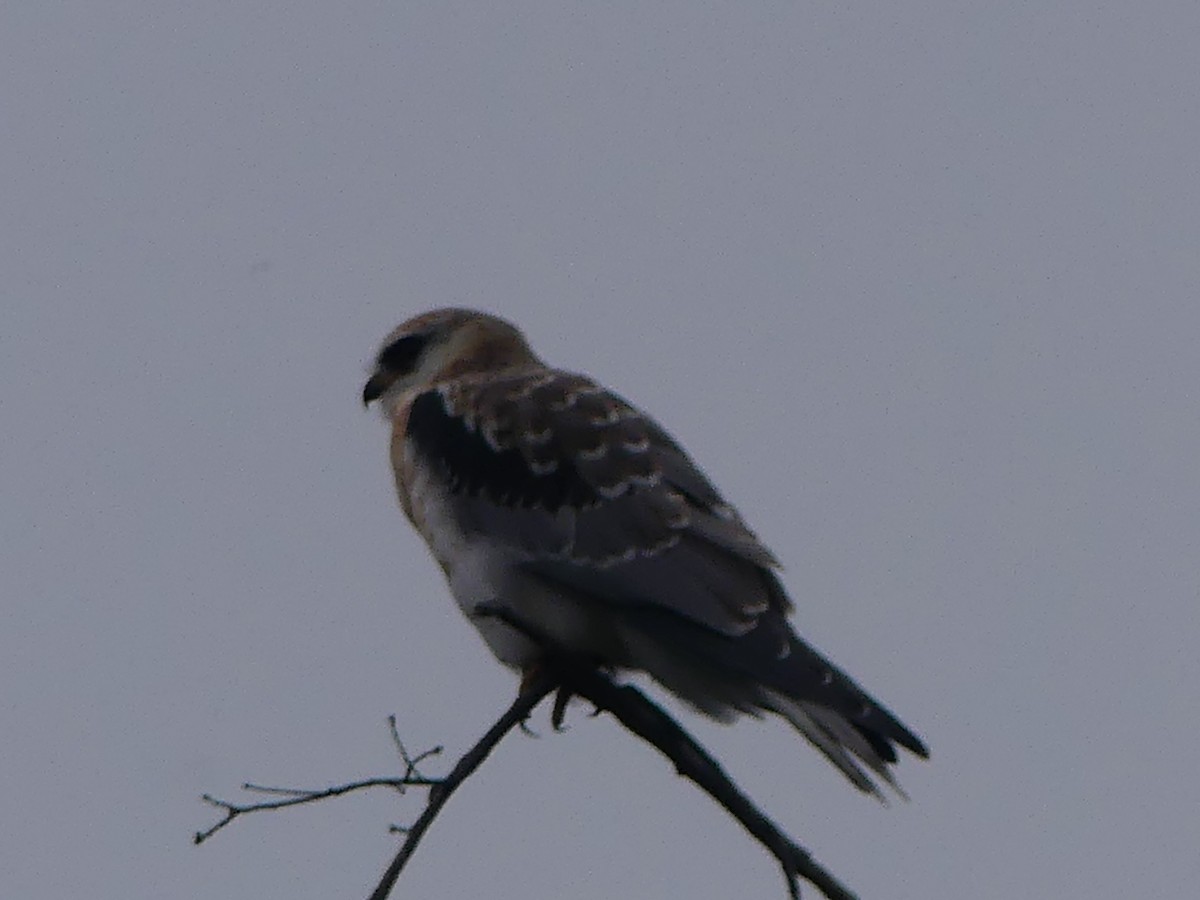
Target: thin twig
column 411, row 762
column 297, row 796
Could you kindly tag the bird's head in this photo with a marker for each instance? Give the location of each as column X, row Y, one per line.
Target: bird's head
column 440, row 345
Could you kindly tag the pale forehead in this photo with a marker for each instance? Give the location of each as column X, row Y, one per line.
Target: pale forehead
column 445, row 319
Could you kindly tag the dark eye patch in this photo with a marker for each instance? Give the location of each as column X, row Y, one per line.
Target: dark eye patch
column 400, row 357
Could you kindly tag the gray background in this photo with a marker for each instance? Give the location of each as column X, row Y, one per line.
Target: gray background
column 917, row 283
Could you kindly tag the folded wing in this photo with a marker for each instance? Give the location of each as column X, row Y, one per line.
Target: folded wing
column 589, row 493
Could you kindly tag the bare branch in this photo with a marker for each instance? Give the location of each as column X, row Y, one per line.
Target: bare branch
column 530, row 696
column 297, row 796
column 654, row 725
column 569, row 676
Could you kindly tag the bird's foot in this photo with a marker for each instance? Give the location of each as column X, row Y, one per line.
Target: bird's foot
column 530, row 674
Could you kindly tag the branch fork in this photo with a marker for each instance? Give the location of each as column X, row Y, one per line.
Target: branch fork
column 568, row 677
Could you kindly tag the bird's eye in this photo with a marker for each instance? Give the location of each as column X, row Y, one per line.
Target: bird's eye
column 400, row 357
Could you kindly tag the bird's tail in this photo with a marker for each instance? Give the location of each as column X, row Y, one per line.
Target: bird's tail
column 856, row 732
column 772, row 669
column 840, row 742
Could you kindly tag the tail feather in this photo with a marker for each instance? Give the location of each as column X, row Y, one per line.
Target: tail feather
column 809, row 678
column 839, row 741
column 722, row 675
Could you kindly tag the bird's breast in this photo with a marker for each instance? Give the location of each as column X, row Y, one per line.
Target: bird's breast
column 427, row 502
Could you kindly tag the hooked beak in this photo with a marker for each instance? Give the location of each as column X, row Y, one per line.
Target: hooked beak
column 374, row 388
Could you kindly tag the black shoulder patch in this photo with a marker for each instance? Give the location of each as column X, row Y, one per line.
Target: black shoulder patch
column 473, row 467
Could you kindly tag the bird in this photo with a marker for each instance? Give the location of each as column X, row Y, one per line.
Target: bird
column 541, row 493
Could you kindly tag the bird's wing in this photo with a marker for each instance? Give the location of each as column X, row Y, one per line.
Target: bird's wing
column 583, row 488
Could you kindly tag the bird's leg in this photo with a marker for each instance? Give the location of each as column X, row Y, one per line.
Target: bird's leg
column 530, row 673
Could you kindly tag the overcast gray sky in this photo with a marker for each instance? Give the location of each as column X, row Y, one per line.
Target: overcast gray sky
column 917, row 283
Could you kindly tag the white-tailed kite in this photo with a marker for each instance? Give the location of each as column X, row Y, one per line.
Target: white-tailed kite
column 543, row 493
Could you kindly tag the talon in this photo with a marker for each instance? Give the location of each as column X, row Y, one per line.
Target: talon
column 561, row 699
